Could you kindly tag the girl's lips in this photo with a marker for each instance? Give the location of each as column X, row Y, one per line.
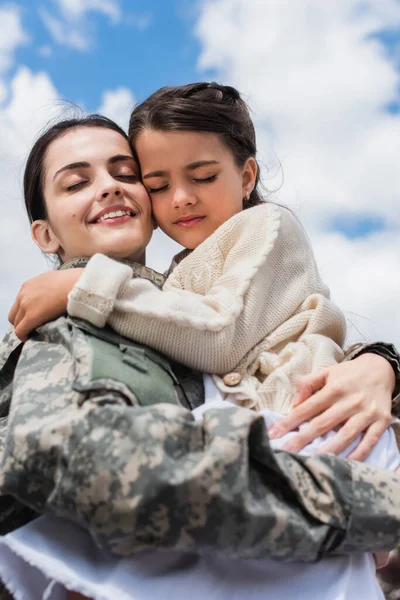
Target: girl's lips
column 190, row 222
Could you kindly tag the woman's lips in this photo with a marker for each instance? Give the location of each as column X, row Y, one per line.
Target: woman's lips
column 192, row 222
column 115, row 220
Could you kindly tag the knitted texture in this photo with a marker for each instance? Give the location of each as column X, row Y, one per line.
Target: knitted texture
column 248, row 299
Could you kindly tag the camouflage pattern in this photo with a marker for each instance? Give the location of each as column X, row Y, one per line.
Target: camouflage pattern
column 150, row 476
column 10, row 350
column 13, row 514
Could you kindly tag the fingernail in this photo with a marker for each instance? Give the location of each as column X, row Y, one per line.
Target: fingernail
column 273, row 432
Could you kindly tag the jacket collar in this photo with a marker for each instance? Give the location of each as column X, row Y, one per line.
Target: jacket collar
column 138, row 270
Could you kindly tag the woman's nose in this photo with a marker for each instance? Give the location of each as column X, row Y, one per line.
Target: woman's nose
column 110, row 189
column 116, row 191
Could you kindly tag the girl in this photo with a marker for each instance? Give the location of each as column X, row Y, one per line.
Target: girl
column 245, row 296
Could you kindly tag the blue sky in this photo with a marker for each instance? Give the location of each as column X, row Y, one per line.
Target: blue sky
column 153, row 45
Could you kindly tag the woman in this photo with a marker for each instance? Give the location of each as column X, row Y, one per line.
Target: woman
column 241, row 427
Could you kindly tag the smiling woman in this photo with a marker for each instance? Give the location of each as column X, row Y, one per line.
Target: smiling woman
column 95, row 201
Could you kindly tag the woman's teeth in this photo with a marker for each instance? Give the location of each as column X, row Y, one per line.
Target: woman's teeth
column 113, row 215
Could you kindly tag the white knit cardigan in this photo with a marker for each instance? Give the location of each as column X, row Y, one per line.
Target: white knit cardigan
column 248, row 299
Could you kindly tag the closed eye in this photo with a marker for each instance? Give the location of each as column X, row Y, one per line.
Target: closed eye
column 206, row 179
column 155, row 190
column 76, row 186
column 132, row 178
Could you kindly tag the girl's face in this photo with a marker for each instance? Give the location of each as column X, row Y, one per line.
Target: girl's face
column 94, row 198
column 193, row 182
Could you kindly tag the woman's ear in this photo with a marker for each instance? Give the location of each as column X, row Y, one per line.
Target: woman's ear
column 249, row 175
column 44, row 237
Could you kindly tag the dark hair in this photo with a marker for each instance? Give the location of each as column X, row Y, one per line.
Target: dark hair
column 33, row 176
column 207, row 107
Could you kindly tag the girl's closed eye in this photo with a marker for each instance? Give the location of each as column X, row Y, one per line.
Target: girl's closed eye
column 209, row 179
column 158, row 189
column 200, row 180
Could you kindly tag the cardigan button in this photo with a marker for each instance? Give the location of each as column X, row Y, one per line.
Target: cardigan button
column 232, row 379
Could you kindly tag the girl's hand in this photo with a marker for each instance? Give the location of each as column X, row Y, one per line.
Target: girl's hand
column 356, row 394
column 41, row 300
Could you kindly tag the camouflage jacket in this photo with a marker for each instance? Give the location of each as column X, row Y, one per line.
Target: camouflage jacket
column 148, row 476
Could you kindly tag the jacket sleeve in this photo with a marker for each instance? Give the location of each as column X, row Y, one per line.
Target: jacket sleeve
column 223, row 300
column 153, row 477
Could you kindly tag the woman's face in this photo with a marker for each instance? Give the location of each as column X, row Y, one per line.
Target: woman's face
column 94, row 198
column 193, row 182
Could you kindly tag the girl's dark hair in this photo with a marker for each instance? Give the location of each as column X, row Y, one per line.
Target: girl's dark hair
column 206, row 107
column 34, row 171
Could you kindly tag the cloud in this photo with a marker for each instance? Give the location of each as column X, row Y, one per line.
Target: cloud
column 139, row 21
column 20, row 122
column 76, row 9
column 319, row 80
column 45, row 51
column 73, row 26
column 117, row 105
column 65, row 35
column 12, row 34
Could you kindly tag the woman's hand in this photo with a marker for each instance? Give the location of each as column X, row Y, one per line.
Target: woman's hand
column 356, row 394
column 41, row 300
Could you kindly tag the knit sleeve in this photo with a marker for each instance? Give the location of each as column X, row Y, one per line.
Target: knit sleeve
column 223, row 300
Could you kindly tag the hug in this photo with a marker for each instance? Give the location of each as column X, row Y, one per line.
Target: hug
column 157, row 412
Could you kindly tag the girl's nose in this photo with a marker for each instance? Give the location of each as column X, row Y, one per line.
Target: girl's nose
column 183, row 197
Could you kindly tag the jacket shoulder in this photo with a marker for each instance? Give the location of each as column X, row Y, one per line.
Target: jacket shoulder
column 9, row 343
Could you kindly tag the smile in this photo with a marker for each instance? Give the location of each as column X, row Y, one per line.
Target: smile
column 113, row 215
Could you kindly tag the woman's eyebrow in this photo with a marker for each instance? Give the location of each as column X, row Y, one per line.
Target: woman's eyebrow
column 120, row 158
column 190, row 167
column 71, row 166
column 86, row 165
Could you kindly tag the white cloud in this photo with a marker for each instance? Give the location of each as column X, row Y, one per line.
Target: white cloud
column 117, row 105
column 318, row 80
column 76, row 9
column 65, row 35
column 45, row 51
column 20, row 123
column 12, row 34
column 139, row 21
column 73, row 25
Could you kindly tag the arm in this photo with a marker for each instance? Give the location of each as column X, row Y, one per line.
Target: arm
column 146, row 477
column 223, row 300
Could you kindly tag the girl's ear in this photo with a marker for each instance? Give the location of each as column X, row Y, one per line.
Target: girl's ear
column 250, row 170
column 44, row 237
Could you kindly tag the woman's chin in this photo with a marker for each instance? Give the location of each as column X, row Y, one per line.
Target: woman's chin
column 127, row 251
column 128, row 247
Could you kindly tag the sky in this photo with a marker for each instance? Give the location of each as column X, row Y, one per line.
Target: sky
column 322, row 80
